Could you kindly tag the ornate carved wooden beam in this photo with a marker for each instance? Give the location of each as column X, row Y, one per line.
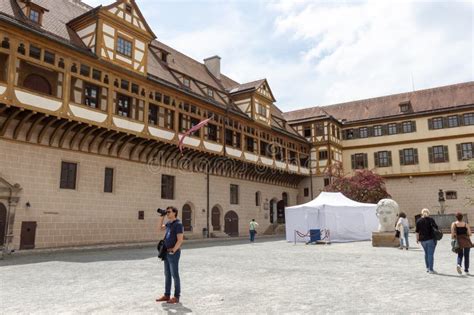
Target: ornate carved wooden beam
column 99, row 134
column 66, row 132
column 107, row 135
column 45, row 128
column 86, row 135
column 38, row 119
column 3, row 108
column 78, row 131
column 9, row 121
column 116, row 142
column 155, row 151
column 136, row 146
column 145, row 147
column 154, row 146
column 21, row 123
column 55, row 131
column 124, row 144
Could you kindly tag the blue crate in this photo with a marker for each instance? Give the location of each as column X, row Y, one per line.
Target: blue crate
column 314, row 235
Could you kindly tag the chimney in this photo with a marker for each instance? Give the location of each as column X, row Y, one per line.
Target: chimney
column 213, row 64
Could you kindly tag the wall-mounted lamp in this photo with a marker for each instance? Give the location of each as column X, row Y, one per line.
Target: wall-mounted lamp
column 28, row 205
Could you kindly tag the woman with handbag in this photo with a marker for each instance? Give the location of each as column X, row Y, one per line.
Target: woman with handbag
column 461, row 233
column 425, row 234
column 404, row 228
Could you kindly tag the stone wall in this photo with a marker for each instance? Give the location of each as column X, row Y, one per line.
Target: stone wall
column 87, row 215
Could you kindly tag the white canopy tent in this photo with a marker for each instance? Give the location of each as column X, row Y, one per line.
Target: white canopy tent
column 346, row 219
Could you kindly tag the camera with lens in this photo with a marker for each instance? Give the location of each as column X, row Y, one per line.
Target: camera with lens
column 161, row 211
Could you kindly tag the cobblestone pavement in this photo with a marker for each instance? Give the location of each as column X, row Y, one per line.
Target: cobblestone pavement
column 234, row 277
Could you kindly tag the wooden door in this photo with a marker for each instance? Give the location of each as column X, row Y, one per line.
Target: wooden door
column 28, row 234
column 3, row 223
column 216, row 219
column 281, row 212
column 231, row 223
column 187, row 218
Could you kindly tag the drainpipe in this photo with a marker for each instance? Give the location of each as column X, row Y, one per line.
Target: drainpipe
column 207, row 214
column 311, row 178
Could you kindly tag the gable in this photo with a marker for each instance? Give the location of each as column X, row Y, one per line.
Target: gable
column 127, row 12
column 264, row 90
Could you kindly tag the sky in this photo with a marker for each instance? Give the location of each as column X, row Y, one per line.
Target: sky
column 317, row 53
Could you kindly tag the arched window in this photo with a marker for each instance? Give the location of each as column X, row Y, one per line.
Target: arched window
column 258, row 198
column 284, row 197
column 37, row 83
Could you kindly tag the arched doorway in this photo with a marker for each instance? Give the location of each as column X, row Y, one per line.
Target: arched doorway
column 231, row 223
column 216, row 218
column 37, row 83
column 281, row 212
column 187, row 218
column 3, row 223
column 284, row 197
column 273, row 210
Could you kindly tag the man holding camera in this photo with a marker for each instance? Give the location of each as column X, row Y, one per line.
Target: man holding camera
column 173, row 240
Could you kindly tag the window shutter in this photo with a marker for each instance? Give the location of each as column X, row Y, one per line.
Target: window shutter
column 445, row 122
column 413, row 126
column 446, row 153
column 376, row 159
column 430, row 155
column 63, row 183
column 458, row 149
column 370, row 131
column 402, row 157
column 353, row 162
column 384, row 130
column 460, row 120
column 366, row 164
column 430, row 124
column 415, row 156
column 399, row 128
column 389, row 153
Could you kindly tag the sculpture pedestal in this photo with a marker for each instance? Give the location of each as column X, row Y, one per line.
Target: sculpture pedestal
column 385, row 239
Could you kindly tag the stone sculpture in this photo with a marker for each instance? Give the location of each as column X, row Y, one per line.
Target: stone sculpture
column 387, row 212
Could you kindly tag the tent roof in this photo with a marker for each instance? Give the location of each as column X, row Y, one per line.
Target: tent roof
column 332, row 199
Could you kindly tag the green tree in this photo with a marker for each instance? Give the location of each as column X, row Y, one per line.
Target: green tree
column 363, row 186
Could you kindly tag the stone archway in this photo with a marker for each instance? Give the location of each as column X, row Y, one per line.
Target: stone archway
column 273, row 210
column 231, row 223
column 9, row 197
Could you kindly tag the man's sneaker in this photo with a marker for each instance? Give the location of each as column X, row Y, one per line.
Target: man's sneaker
column 467, row 273
column 173, row 300
column 458, row 268
column 432, row 272
column 164, row 298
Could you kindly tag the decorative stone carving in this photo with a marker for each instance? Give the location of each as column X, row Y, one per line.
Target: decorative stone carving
column 387, row 211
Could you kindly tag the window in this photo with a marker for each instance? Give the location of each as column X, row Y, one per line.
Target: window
column 453, row 121
column 262, row 110
column 3, row 67
column 123, row 105
column 383, row 158
column 437, row 123
column 392, row 129
column 91, row 95
column 49, row 57
column 153, row 114
column 284, row 197
column 229, row 135
column 323, row 155
column 167, row 187
column 258, row 197
column 109, row 180
column 349, row 134
column 85, row 70
column 438, row 154
column 319, row 129
column 234, row 194
column 326, row 182
column 451, row 194
column 128, row 8
column 35, row 52
column 405, row 107
column 124, row 47
column 465, row 151
column 359, row 161
column 377, row 131
column 210, row 93
column 363, row 132
column 307, row 132
column 34, row 16
column 212, row 132
column 306, row 192
column 468, row 119
column 141, row 215
column 250, row 144
column 37, row 83
column 68, row 175
column 408, row 126
column 408, row 156
column 186, row 82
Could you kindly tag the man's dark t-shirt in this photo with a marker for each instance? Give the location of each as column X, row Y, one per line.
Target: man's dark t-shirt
column 424, row 227
column 172, row 230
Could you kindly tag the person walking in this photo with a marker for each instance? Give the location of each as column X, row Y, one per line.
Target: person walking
column 404, row 228
column 425, row 235
column 173, row 240
column 461, row 232
column 252, row 230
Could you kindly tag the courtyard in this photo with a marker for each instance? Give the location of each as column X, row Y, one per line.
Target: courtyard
column 270, row 276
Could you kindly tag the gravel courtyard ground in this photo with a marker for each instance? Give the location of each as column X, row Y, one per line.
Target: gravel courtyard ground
column 235, row 277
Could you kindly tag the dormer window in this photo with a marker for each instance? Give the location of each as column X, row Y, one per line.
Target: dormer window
column 164, row 56
column 210, row 93
column 186, row 82
column 405, row 107
column 34, row 16
column 124, row 47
